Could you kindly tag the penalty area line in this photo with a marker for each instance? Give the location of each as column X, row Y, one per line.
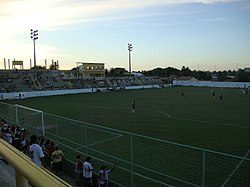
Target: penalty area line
column 235, row 169
column 104, row 140
column 99, row 142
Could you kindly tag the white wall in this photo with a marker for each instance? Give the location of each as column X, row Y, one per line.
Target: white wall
column 15, row 95
column 212, row 84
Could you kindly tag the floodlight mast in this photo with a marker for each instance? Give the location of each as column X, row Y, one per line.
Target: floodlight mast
column 34, row 37
column 129, row 56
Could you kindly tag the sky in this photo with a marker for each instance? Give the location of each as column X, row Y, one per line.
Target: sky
column 209, row 35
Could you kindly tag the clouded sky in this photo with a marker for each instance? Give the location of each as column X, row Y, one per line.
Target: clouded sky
column 199, row 34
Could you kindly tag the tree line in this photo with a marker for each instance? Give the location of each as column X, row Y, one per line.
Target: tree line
column 231, row 75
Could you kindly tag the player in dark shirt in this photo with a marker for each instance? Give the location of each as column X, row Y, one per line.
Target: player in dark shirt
column 133, row 106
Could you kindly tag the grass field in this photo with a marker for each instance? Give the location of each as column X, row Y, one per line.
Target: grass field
column 196, row 119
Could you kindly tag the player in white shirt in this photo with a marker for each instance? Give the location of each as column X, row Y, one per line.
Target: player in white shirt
column 36, row 152
column 87, row 172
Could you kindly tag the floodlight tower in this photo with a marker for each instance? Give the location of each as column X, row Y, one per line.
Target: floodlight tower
column 129, row 56
column 34, row 37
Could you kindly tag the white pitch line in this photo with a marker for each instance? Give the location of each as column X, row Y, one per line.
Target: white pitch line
column 70, row 141
column 98, row 142
column 165, row 114
column 76, row 149
column 162, row 183
column 104, row 140
column 215, row 123
column 235, row 169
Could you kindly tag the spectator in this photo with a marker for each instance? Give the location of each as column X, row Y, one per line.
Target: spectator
column 16, row 141
column 87, row 172
column 42, row 142
column 57, row 158
column 35, row 152
column 24, row 141
column 103, row 175
column 46, row 152
column 1, row 122
column 4, row 126
column 78, row 170
column 51, row 149
column 8, row 136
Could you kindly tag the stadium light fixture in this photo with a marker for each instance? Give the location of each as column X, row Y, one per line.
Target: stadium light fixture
column 129, row 56
column 34, row 37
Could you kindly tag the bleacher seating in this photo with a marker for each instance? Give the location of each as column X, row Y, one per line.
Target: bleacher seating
column 44, row 79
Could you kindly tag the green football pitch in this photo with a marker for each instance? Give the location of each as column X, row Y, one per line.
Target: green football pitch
column 195, row 119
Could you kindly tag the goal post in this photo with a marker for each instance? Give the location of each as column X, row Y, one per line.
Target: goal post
column 30, row 118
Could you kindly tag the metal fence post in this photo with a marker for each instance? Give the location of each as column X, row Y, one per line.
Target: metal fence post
column 203, row 168
column 86, row 139
column 57, row 139
column 131, row 160
column 17, row 121
column 43, row 124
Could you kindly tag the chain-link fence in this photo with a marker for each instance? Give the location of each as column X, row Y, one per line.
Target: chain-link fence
column 141, row 160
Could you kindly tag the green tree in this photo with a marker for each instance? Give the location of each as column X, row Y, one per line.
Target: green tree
column 54, row 66
column 117, row 72
column 38, row 67
column 243, row 76
column 185, row 71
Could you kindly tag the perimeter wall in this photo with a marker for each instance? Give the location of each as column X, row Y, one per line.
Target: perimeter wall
column 212, row 84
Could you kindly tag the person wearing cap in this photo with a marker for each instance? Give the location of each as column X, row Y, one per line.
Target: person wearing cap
column 87, row 172
column 103, row 175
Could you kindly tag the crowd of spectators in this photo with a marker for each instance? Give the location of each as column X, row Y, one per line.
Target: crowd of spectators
column 45, row 153
column 84, row 173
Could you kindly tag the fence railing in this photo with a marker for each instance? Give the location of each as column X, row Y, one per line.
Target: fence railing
column 142, row 161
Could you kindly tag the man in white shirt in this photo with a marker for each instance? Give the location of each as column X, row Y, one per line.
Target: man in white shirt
column 36, row 152
column 87, row 172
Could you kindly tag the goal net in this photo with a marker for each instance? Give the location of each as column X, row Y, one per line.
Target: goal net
column 28, row 118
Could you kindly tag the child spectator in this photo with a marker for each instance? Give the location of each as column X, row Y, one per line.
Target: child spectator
column 103, row 175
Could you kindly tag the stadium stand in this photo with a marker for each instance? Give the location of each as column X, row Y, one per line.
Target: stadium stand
column 44, row 79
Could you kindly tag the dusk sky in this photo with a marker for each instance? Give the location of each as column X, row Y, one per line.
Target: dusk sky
column 199, row 34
